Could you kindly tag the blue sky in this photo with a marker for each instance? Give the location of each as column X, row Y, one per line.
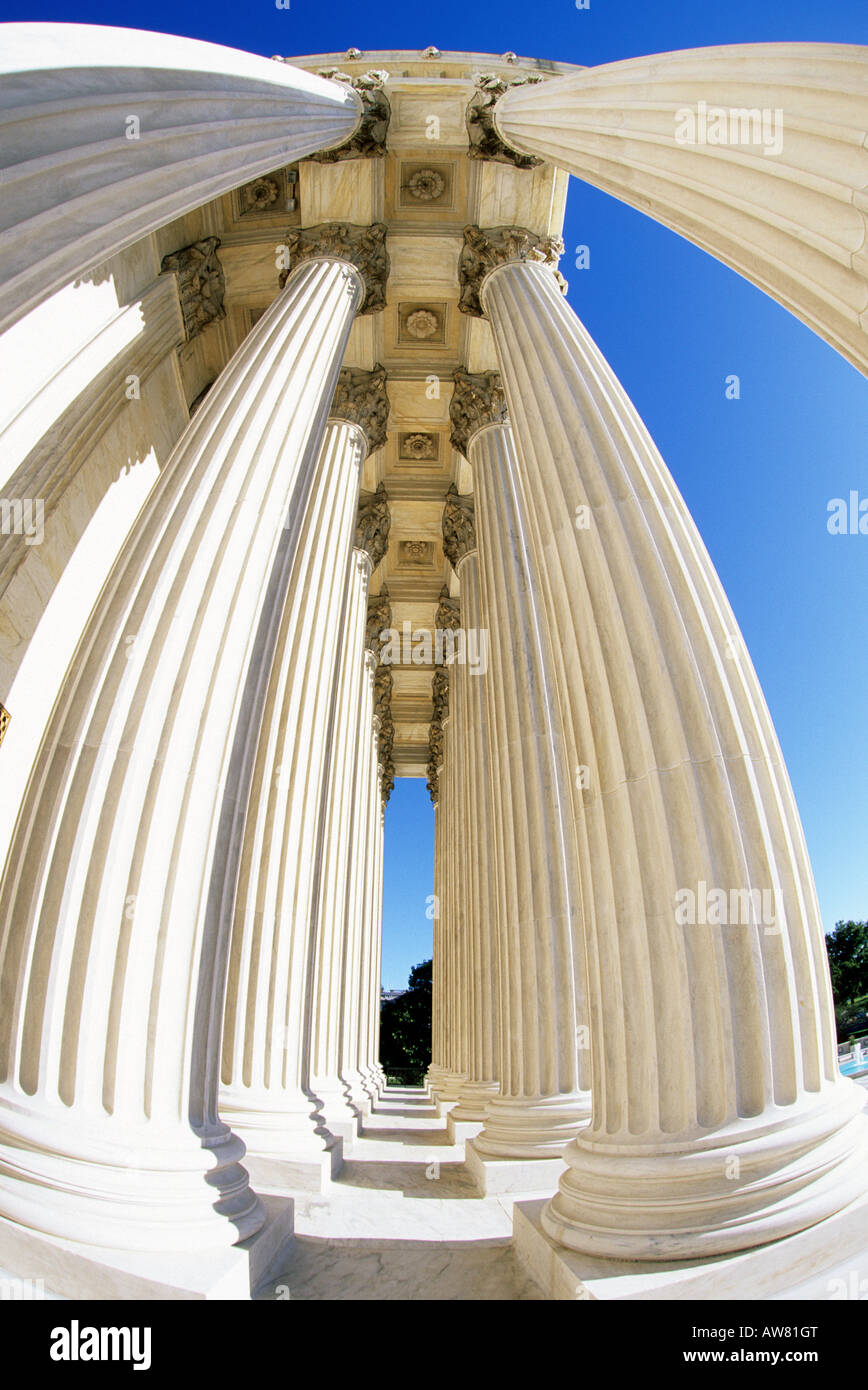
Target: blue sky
column 757, row 473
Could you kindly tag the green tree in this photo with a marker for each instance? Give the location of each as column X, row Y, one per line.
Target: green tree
column 405, row 1030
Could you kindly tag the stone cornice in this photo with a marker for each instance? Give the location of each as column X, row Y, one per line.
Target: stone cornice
column 484, row 251
column 361, row 398
column 369, row 140
column 363, row 247
column 486, row 142
column 459, row 528
column 373, row 523
column 477, row 400
column 201, row 283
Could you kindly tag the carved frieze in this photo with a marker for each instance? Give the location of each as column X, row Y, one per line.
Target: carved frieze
column 369, row 141
column 485, row 142
column 373, row 523
column 459, row 529
column 477, row 400
column 363, row 247
column 483, row 251
column 201, row 283
column 361, row 398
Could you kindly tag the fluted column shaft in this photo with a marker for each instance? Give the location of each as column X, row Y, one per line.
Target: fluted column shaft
column 437, row 1067
column 366, row 787
column 369, row 1021
column 339, row 835
column 108, row 134
column 758, row 153
column 713, row 1037
column 268, row 1038
column 543, row 1097
column 114, row 903
column 453, row 916
column 482, row 982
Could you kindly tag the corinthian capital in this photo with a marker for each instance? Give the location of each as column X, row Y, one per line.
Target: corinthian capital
column 201, row 283
column 459, row 529
column 485, row 139
column 448, row 611
column 485, row 250
column 360, row 397
column 477, row 400
column 440, row 703
column 369, row 141
column 373, row 523
column 383, row 682
column 363, row 247
column 379, row 619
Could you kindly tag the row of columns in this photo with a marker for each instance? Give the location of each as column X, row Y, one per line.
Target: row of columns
column 685, row 1072
column 175, row 825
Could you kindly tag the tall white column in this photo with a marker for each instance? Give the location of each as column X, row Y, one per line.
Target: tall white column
column 436, row 1070
column 356, row 973
column 480, row 963
column 758, row 153
column 266, row 1094
column 453, row 1075
column 372, row 927
column 543, row 1099
column 113, row 906
column 109, row 133
column 720, row 1117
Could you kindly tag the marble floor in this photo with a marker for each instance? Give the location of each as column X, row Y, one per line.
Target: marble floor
column 402, row 1220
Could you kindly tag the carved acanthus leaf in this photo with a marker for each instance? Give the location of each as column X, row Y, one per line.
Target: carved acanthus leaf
column 485, row 142
column 373, row 523
column 369, row 141
column 361, row 397
column 448, row 611
column 483, row 251
column 459, row 529
column 379, row 620
column 440, row 704
column 201, row 283
column 477, row 400
column 363, row 247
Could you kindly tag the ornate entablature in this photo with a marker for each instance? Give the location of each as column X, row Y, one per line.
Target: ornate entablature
column 483, row 251
column 477, row 400
column 373, row 523
column 485, row 142
column 448, row 611
column 363, row 247
column 361, row 398
column 369, row 141
column 459, row 528
column 440, row 703
column 201, row 283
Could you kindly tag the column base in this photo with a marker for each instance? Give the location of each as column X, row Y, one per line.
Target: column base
column 458, row 1131
column 533, row 1127
column 827, row 1262
column 526, row 1175
column 80, row 1272
column 301, row 1172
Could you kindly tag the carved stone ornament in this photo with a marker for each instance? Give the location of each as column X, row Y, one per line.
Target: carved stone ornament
column 422, row 324
column 440, row 704
column 363, row 247
column 259, row 196
column 448, row 611
column 485, row 142
column 369, row 141
column 201, row 283
column 361, row 398
column 373, row 523
column 379, row 620
column 386, row 735
column 419, row 446
column 425, row 185
column 477, row 400
column 459, row 529
column 484, row 250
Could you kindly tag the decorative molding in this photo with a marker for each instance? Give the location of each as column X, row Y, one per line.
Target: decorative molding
column 477, row 399
column 201, row 283
column 373, row 523
column 459, row 528
column 363, row 247
column 418, row 446
column 5, row 717
column 440, row 704
column 425, row 185
column 483, row 251
column 378, row 620
column 485, row 140
column 361, row 398
column 448, row 611
column 422, row 323
column 369, row 141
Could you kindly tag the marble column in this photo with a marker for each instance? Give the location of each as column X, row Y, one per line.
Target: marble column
column 436, row 1070
column 452, row 1076
column 479, row 962
column 755, row 152
column 372, row 933
column 108, row 134
column 543, row 1065
column 348, row 744
column 353, row 1071
column 720, row 1118
column 113, row 905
